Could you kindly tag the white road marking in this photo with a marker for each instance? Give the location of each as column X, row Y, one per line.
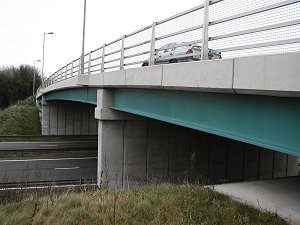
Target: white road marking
column 67, row 168
column 32, row 160
column 48, row 145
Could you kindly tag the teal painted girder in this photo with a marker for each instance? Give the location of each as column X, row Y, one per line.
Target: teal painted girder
column 84, row 95
column 269, row 122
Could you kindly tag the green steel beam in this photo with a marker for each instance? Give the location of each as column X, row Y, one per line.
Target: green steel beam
column 84, row 95
column 269, row 122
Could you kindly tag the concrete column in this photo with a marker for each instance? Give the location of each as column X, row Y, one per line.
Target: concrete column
column 111, row 153
column 119, row 133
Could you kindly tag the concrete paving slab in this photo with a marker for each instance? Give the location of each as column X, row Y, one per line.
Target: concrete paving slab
column 276, row 195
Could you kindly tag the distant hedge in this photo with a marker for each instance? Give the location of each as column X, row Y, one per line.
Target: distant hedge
column 16, row 84
column 21, row 119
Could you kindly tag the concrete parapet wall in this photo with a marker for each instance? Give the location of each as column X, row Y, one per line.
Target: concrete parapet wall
column 275, row 75
column 68, row 118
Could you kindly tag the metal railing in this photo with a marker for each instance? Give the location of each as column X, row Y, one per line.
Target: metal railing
column 233, row 27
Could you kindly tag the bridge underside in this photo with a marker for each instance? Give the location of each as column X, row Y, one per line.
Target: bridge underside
column 268, row 122
column 136, row 149
column 265, row 121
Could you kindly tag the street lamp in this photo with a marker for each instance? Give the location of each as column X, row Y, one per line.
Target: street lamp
column 44, row 57
column 83, row 37
column 33, row 83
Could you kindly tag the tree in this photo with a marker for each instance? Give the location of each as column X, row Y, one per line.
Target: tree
column 16, row 84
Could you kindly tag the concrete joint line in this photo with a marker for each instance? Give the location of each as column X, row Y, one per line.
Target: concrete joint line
column 233, row 77
column 162, row 76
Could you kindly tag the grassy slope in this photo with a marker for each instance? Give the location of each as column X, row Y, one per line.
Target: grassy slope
column 22, row 118
column 152, row 204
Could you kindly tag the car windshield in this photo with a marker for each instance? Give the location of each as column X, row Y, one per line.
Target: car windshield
column 170, row 46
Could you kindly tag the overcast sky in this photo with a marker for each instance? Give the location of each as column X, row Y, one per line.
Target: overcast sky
column 23, row 23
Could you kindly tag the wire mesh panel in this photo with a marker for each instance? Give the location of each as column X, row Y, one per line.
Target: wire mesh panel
column 244, row 28
column 185, row 27
column 76, row 67
column 112, row 56
column 96, row 61
column 137, row 47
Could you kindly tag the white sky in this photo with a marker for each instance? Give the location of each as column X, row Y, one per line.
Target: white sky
column 23, row 22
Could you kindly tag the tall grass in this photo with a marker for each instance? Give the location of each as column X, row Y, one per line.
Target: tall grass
column 151, row 204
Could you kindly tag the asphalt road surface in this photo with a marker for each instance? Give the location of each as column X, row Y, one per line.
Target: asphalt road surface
column 41, row 170
column 7, row 146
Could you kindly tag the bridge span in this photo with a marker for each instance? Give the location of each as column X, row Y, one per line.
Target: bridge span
column 228, row 119
column 239, row 131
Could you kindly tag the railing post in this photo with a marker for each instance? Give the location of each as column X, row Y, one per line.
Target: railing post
column 72, row 68
column 89, row 66
column 66, row 74
column 204, row 48
column 122, row 53
column 61, row 73
column 103, row 56
column 152, row 48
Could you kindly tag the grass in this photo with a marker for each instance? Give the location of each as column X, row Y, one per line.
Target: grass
column 151, row 204
column 21, row 119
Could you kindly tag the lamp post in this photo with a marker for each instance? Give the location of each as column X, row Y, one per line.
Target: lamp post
column 44, row 57
column 33, row 83
column 83, row 39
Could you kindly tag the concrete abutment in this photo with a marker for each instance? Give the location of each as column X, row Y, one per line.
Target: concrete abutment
column 134, row 150
column 68, row 118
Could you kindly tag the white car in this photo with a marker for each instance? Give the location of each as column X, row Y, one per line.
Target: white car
column 180, row 52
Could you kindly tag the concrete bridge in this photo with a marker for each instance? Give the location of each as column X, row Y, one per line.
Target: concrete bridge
column 230, row 119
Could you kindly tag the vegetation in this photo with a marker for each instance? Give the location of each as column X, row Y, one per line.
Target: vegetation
column 16, row 84
column 151, row 204
column 21, row 119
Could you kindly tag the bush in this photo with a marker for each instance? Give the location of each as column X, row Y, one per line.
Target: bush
column 20, row 119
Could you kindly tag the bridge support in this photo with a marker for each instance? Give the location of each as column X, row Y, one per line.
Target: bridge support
column 133, row 149
column 67, row 118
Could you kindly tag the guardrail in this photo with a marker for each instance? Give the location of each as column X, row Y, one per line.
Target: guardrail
column 233, row 27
